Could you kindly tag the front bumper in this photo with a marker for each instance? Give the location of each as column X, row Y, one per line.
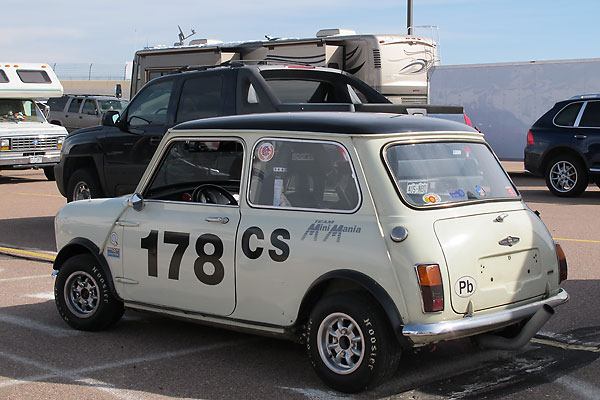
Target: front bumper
column 19, row 161
column 468, row 326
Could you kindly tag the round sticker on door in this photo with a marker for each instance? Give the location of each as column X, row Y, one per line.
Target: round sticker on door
column 266, row 151
column 465, row 286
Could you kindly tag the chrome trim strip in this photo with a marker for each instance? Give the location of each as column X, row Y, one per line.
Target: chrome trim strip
column 465, row 326
column 594, row 169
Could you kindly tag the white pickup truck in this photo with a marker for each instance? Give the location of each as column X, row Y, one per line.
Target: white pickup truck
column 27, row 139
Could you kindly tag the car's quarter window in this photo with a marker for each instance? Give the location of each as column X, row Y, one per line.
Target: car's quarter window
column 200, row 98
column 150, row 106
column 198, row 171
column 74, row 106
column 431, row 174
column 591, row 115
column 303, row 174
column 568, row 115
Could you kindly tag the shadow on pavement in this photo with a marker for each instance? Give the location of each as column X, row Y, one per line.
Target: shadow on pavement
column 30, row 233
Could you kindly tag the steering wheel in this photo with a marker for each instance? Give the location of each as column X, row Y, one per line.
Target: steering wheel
column 209, row 193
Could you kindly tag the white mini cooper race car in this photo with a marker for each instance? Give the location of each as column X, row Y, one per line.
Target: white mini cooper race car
column 358, row 234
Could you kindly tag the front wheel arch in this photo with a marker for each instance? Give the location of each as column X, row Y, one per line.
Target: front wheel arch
column 85, row 246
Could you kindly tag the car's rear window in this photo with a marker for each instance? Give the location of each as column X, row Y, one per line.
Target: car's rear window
column 429, row 174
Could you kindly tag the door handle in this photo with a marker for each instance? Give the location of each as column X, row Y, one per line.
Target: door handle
column 580, row 136
column 222, row 220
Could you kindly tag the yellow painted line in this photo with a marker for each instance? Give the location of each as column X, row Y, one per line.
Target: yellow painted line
column 566, row 346
column 28, row 253
column 578, row 240
column 37, row 194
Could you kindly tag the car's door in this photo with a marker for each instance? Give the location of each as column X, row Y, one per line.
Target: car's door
column 70, row 118
column 179, row 250
column 89, row 115
column 128, row 148
column 588, row 134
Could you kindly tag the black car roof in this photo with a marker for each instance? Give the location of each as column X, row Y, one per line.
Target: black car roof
column 353, row 123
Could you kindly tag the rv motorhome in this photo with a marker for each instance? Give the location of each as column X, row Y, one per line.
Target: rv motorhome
column 395, row 65
column 27, row 139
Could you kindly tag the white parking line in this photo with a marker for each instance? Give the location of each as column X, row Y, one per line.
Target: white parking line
column 316, row 394
column 77, row 373
column 42, row 296
column 22, row 278
column 38, row 326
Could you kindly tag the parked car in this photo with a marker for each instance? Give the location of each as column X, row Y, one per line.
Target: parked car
column 109, row 160
column 563, row 146
column 80, row 111
column 359, row 234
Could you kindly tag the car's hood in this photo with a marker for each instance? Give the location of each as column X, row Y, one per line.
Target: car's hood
column 30, row 129
column 86, row 130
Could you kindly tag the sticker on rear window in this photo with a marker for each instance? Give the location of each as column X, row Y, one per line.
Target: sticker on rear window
column 420, row 187
column 432, row 198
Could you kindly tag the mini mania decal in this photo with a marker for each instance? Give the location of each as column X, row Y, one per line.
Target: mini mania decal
column 325, row 229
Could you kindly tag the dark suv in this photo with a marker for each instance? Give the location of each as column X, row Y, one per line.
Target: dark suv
column 564, row 145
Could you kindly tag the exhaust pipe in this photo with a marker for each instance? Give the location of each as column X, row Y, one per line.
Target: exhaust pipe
column 529, row 329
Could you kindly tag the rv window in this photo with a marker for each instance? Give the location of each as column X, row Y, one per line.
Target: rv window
column 3, row 77
column 28, row 76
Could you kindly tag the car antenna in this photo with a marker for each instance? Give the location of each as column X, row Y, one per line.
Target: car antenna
column 182, row 36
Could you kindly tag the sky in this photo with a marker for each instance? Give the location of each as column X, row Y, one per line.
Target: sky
column 470, row 31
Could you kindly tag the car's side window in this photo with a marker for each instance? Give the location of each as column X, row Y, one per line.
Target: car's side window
column 568, row 115
column 74, row 106
column 200, row 98
column 89, row 107
column 151, row 104
column 303, row 174
column 591, row 115
column 199, row 171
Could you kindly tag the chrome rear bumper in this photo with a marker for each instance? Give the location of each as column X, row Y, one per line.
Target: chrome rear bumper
column 454, row 329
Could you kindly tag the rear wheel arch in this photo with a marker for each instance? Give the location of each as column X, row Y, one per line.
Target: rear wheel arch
column 340, row 281
column 561, row 151
column 85, row 246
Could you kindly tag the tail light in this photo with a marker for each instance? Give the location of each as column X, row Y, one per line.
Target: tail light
column 529, row 138
column 562, row 263
column 432, row 291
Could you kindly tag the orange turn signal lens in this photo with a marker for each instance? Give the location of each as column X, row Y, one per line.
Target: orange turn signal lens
column 562, row 263
column 432, row 290
column 429, row 274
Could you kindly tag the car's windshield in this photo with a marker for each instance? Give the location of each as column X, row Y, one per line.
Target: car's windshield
column 429, row 174
column 16, row 110
column 110, row 105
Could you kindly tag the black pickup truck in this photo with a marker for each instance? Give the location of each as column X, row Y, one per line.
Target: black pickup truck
column 108, row 160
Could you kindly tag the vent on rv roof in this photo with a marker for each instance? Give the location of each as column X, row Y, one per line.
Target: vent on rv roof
column 334, row 32
column 376, row 58
column 204, row 41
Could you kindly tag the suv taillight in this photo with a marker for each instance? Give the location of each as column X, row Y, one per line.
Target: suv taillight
column 529, row 138
column 432, row 290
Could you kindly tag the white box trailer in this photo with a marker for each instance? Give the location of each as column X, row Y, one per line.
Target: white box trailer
column 27, row 139
column 503, row 100
column 396, row 65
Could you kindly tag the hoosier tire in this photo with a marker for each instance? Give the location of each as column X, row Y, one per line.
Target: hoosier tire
column 83, row 297
column 350, row 343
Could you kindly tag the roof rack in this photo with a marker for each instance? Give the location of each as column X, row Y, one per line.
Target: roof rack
column 585, row 96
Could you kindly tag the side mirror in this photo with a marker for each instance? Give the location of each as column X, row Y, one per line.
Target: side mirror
column 136, row 202
column 110, row 118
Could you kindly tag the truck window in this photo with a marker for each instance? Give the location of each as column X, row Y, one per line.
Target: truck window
column 303, row 174
column 150, row 106
column 89, row 107
column 303, row 91
column 200, row 98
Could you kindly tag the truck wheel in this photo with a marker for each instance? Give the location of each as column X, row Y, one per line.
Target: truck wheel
column 83, row 185
column 49, row 172
column 566, row 176
column 350, row 343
